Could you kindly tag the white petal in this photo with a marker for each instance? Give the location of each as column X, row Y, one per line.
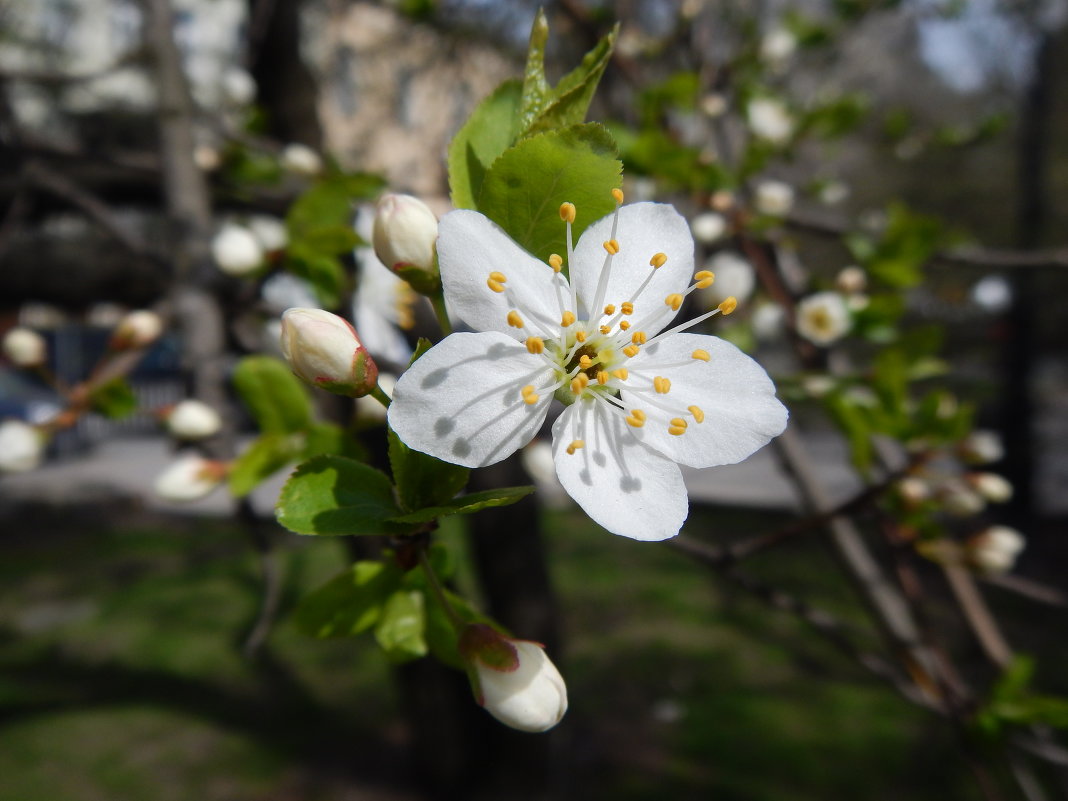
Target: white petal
column 741, row 412
column 462, row 402
column 644, row 230
column 470, row 247
column 620, row 483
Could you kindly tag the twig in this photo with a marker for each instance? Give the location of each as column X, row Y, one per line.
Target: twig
column 978, row 615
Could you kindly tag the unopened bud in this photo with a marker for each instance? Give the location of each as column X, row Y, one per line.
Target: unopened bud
column 236, row 250
column 301, row 159
column 994, row 488
column 25, row 347
column 981, row 447
column 192, row 419
column 190, row 478
column 851, row 280
column 960, row 500
column 136, row 330
column 270, row 232
column 323, row 349
column 513, row 679
column 995, row 549
column 912, row 490
column 774, row 198
column 708, row 227
column 21, row 446
column 405, row 238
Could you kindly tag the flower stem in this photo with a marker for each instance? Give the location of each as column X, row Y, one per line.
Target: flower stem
column 438, row 591
column 379, row 395
column 437, row 300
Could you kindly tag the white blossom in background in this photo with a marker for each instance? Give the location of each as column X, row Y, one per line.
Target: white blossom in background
column 25, row 347
column 192, row 419
column 283, row 291
column 982, row 446
column 770, row 120
column 269, row 231
column 768, row 321
column 777, row 46
column 236, row 250
column 324, row 350
column 301, row 159
column 370, row 409
column 383, row 305
column 823, row 318
column 21, row 447
column 104, row 315
column 137, row 329
column 992, row 294
column 734, row 278
column 238, row 87
column 774, row 198
column 991, row 486
column 960, row 500
column 714, row 105
column 833, row 192
column 639, row 399
column 189, row 478
column 996, row 549
column 41, row 316
column 913, row 491
column 207, row 158
column 708, row 227
column 851, row 280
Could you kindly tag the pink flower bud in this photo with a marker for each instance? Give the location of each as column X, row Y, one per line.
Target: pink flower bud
column 513, row 679
column 405, row 236
column 25, row 347
column 136, row 330
column 323, row 350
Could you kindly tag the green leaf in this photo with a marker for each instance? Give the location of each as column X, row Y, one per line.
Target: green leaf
column 331, row 438
column 114, row 399
column 328, row 204
column 324, row 272
column 349, row 603
column 536, row 90
column 274, row 396
column 489, row 131
column 524, row 188
column 467, row 504
column 401, row 626
column 856, row 428
column 422, row 480
column 267, row 454
column 331, row 495
column 421, row 346
column 331, row 239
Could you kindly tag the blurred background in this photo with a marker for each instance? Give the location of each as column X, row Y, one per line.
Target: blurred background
column 147, row 649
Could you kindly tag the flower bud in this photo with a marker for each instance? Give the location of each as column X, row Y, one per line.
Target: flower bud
column 770, row 120
column 777, row 46
column 236, row 250
column 774, row 198
column 912, row 490
column 981, row 447
column 708, row 227
column 136, row 330
column 192, row 419
column 735, row 278
column 323, row 349
column 995, row 549
column 405, row 236
column 270, row 232
column 994, row 488
column 21, row 447
column 25, row 347
column 189, row 478
column 851, row 280
column 959, row 500
column 301, row 159
column 513, row 679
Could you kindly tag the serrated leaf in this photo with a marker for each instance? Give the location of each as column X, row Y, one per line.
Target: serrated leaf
column 422, row 480
column 274, row 396
column 334, row 496
column 524, row 188
column 489, row 131
column 467, row 504
column 114, row 399
column 349, row 603
column 400, row 629
column 267, row 454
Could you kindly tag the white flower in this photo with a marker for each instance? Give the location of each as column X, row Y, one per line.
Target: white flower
column 239, row 88
column 25, row 347
column 514, row 680
column 207, row 158
column 708, row 227
column 767, row 321
column 777, row 46
column 236, row 250
column 714, row 105
column 982, row 447
column 639, row 399
column 405, row 231
column 269, row 231
column 995, row 549
column 734, row 278
column 301, row 159
column 21, row 447
column 192, row 419
column 189, row 478
column 823, row 318
column 323, row 349
column 774, row 198
column 137, row 329
column 770, row 120
column 994, row 488
column 851, row 280
column 833, row 192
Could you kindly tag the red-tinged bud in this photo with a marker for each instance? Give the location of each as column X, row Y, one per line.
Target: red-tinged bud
column 137, row 329
column 405, row 238
column 323, row 349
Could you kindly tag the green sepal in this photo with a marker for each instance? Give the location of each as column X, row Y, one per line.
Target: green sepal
column 335, row 496
column 467, row 504
column 349, row 603
column 275, row 397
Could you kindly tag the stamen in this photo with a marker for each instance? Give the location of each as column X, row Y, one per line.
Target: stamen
column 661, row 384
column 514, row 319
column 602, row 377
column 556, row 262
column 584, row 362
column 567, row 319
column 580, row 336
column 658, row 261
column 612, row 246
column 618, row 195
column 729, row 305
column 638, row 337
column 606, row 329
column 624, row 325
column 609, row 309
column 674, row 300
column 627, row 308
column 621, row 373
column 530, row 397
column 697, row 413
column 579, row 383
column 636, row 418
column 677, row 426
column 701, row 355
column 575, row 445
column 496, row 281
column 631, row 350
column 567, row 212
column 704, row 279
column 535, row 345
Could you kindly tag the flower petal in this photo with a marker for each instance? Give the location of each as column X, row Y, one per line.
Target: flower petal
column 470, row 247
column 462, row 400
column 644, row 230
column 628, row 488
column 741, row 412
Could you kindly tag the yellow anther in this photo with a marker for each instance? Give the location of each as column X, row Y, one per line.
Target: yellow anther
column 497, row 276
column 701, row 355
column 661, row 384
column 658, row 260
column 677, row 426
column 496, row 286
column 606, row 329
column 673, row 300
column 567, row 319
column 624, row 325
column 567, row 212
column 514, row 319
column 729, row 305
column 609, row 309
column 535, row 345
column 530, row 397
column 627, row 308
column 697, row 413
column 636, row 418
column 556, row 262
column 585, row 362
column 602, row 377
column 612, row 246
column 579, row 383
column 575, row 445
column 580, row 336
column 621, row 373
column 618, row 195
column 631, row 350
column 638, row 338
column 704, row 279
